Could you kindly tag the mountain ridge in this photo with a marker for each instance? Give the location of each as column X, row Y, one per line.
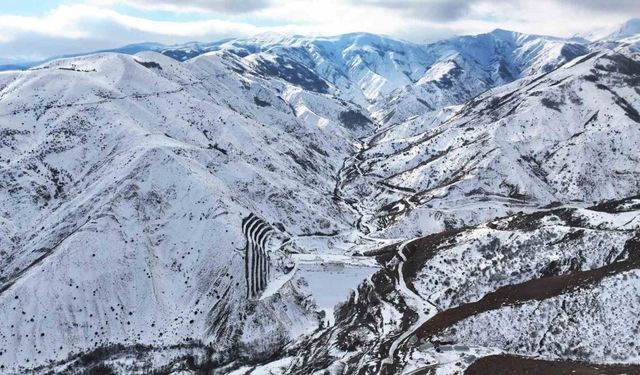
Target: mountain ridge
column 404, row 198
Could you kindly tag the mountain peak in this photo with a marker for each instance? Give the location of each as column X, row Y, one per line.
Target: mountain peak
column 502, row 31
column 499, row 33
column 629, row 28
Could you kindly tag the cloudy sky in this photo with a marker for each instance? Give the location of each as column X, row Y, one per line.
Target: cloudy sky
column 35, row 29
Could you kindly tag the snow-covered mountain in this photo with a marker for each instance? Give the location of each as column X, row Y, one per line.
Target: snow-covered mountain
column 539, row 140
column 367, row 68
column 615, row 32
column 209, row 207
column 559, row 284
column 125, row 181
column 622, row 38
column 396, row 79
column 628, row 29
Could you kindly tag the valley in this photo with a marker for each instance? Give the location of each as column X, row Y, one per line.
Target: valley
column 343, row 205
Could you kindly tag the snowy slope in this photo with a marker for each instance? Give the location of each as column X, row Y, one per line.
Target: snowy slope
column 529, row 284
column 398, row 79
column 394, row 79
column 466, row 66
column 566, row 136
column 125, row 179
column 614, row 32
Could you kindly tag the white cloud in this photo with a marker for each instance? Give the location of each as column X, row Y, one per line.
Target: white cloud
column 97, row 25
column 182, row 6
column 82, row 28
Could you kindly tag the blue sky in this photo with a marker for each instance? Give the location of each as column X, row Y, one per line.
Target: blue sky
column 39, row 8
column 36, row 29
column 28, row 7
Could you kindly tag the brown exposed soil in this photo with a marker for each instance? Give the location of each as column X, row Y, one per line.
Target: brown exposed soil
column 537, row 289
column 422, row 250
column 515, row 365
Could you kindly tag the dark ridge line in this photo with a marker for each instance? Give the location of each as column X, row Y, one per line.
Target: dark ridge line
column 355, row 311
column 102, row 354
column 537, row 289
column 46, row 107
column 9, row 283
column 437, row 155
column 450, row 180
column 419, row 197
column 613, row 206
column 425, row 137
column 476, row 101
column 592, row 118
column 319, row 234
column 506, row 364
column 629, row 109
column 396, row 187
column 420, row 251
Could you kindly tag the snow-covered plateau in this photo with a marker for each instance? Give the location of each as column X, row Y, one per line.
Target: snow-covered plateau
column 351, row 204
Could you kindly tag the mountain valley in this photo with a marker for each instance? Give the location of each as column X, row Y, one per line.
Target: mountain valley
column 351, row 204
